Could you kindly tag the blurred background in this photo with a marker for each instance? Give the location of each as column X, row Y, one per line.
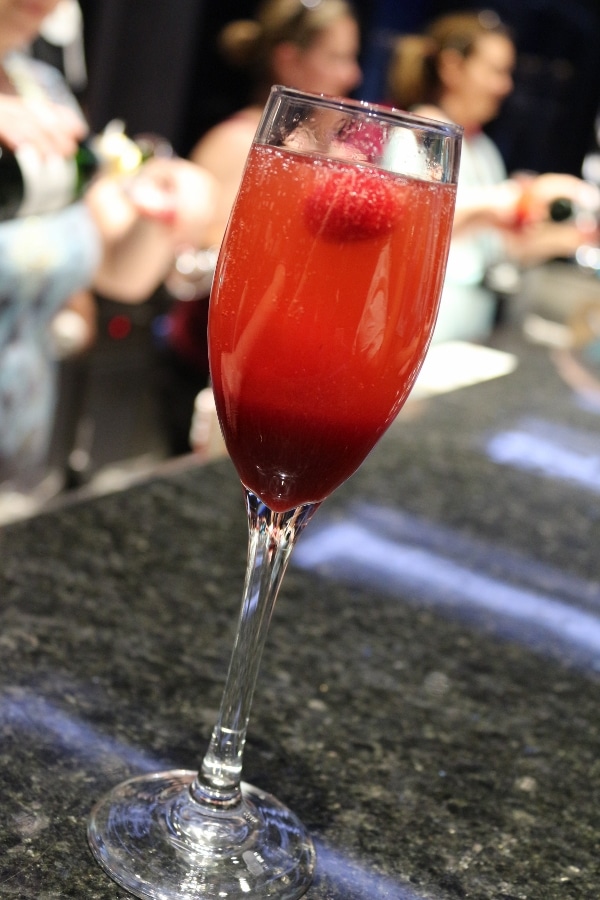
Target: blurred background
column 155, row 66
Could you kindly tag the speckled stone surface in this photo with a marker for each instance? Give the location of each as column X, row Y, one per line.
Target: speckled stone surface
column 429, row 698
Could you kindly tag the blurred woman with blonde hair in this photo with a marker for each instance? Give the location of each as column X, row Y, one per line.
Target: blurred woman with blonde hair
column 311, row 45
column 461, row 70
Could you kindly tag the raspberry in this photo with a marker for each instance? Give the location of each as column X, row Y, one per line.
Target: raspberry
column 351, row 204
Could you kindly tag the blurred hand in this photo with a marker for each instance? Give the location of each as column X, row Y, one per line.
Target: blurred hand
column 143, row 222
column 492, row 206
column 539, row 191
column 541, row 241
column 178, row 193
column 49, row 127
column 548, row 187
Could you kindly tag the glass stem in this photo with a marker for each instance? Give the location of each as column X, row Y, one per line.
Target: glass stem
column 271, row 539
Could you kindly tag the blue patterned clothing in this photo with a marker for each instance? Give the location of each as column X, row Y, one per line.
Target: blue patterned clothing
column 43, row 260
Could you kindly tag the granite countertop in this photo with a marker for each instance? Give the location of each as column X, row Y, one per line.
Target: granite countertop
column 428, row 701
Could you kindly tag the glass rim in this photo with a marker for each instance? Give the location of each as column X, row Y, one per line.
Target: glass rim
column 390, row 114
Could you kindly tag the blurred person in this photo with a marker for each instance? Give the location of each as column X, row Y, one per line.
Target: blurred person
column 312, row 47
column 308, row 46
column 461, row 70
column 120, row 239
column 60, row 43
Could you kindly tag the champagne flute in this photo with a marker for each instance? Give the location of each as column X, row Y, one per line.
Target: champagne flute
column 323, row 305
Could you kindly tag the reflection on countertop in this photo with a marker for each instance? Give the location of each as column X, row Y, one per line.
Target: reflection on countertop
column 428, row 699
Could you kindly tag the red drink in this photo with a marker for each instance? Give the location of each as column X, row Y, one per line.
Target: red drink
column 322, row 309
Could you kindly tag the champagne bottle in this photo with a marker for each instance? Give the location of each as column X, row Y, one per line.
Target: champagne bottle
column 561, row 209
column 31, row 184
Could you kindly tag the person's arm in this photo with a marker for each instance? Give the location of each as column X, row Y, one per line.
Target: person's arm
column 222, row 152
column 143, row 222
column 521, row 200
column 544, row 241
column 493, row 206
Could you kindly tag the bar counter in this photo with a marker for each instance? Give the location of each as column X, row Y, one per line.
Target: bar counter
column 428, row 701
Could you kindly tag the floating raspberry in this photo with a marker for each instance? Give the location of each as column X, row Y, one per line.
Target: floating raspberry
column 352, row 204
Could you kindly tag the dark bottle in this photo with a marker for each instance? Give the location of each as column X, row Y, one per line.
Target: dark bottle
column 561, row 209
column 31, row 184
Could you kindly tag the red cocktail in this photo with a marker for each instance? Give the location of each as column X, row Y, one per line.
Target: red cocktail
column 321, row 314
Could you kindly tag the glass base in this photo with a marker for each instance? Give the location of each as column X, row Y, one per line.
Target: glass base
column 156, row 841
